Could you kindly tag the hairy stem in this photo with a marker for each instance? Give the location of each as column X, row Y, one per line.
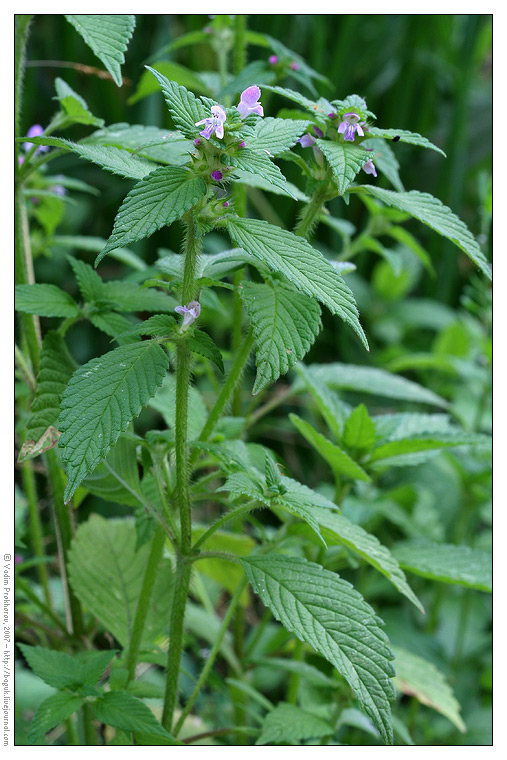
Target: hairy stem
column 30, row 489
column 183, row 566
column 310, row 215
column 143, row 602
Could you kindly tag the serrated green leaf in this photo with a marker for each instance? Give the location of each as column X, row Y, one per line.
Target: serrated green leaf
column 173, row 72
column 255, row 162
column 315, row 108
column 106, row 573
column 51, row 712
column 183, row 106
column 413, row 138
column 90, row 283
column 339, row 461
column 113, row 159
column 285, row 324
column 289, row 724
column 366, row 379
column 56, row 368
column 330, row 615
column 113, row 324
column 420, row 678
column 157, row 201
column 101, row 399
column 449, row 563
column 164, row 146
column 57, row 669
column 122, row 710
column 337, row 527
column 395, row 427
column 75, row 107
column 108, row 36
column 45, row 300
column 304, row 266
column 432, row 212
column 346, row 161
column 161, row 325
column 359, row 432
column 277, row 135
column 203, row 344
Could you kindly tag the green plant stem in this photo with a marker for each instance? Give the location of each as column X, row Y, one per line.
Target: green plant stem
column 21, row 27
column 311, row 213
column 292, row 691
column 143, row 602
column 181, row 587
column 211, row 657
column 183, row 565
column 90, row 731
column 64, row 532
column 25, row 369
column 30, row 489
column 22, row 585
column 226, row 392
column 23, row 275
column 242, row 510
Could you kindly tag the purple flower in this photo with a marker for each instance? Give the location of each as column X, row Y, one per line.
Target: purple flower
column 294, row 66
column 350, row 125
column 197, row 142
column 35, row 131
column 217, row 175
column 369, row 168
column 215, row 123
column 189, row 313
column 308, row 140
column 226, row 203
column 249, row 102
column 273, row 59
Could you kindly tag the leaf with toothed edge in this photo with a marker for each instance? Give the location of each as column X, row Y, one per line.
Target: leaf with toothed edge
column 156, row 201
column 108, row 36
column 326, row 612
column 285, row 324
column 301, row 264
column 101, row 399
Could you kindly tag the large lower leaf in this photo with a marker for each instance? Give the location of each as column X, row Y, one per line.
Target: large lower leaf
column 440, row 218
column 106, row 573
column 336, row 527
column 330, row 615
column 285, row 324
column 108, row 36
column 101, row 399
column 163, row 196
column 449, row 563
column 304, row 266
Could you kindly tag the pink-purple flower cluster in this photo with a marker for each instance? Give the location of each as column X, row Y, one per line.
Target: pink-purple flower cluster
column 350, row 124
